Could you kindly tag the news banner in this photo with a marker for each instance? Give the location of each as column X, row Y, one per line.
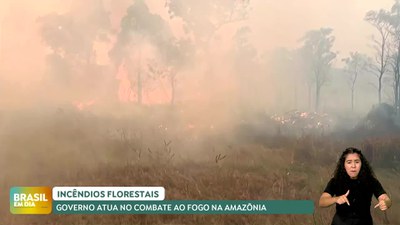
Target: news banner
column 137, row 200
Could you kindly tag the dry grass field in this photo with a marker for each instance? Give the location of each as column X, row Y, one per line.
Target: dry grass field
column 71, row 148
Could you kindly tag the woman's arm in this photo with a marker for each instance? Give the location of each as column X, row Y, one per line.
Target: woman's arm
column 327, row 200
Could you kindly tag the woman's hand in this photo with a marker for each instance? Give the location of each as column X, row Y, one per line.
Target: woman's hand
column 384, row 202
column 343, row 199
column 326, row 199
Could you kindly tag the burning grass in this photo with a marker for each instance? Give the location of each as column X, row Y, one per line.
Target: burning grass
column 84, row 150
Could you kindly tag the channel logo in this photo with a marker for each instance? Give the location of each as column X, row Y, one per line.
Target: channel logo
column 30, row 200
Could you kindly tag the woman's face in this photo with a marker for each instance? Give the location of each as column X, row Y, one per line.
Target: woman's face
column 352, row 164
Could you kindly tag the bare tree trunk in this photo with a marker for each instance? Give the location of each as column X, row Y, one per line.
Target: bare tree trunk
column 397, row 81
column 352, row 99
column 378, row 20
column 380, row 88
column 317, row 89
column 317, row 96
column 396, row 85
column 397, row 90
column 383, row 64
column 353, row 85
column 396, row 97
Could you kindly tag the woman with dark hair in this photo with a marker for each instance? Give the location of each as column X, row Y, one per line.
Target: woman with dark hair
column 351, row 188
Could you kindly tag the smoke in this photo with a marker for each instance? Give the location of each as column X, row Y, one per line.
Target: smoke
column 113, row 81
column 228, row 60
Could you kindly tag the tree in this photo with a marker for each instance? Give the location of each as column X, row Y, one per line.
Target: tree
column 201, row 22
column 175, row 57
column 71, row 37
column 395, row 57
column 139, row 29
column 318, row 58
column 355, row 65
column 380, row 20
column 220, row 12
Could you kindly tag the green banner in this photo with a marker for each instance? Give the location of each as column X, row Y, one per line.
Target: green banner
column 185, row 207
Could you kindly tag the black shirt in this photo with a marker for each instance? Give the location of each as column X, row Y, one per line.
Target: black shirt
column 359, row 197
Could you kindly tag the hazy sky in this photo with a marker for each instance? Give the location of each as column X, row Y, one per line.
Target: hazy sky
column 287, row 20
column 273, row 23
column 282, row 23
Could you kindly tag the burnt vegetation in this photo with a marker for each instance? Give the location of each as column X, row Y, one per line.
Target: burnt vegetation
column 190, row 161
